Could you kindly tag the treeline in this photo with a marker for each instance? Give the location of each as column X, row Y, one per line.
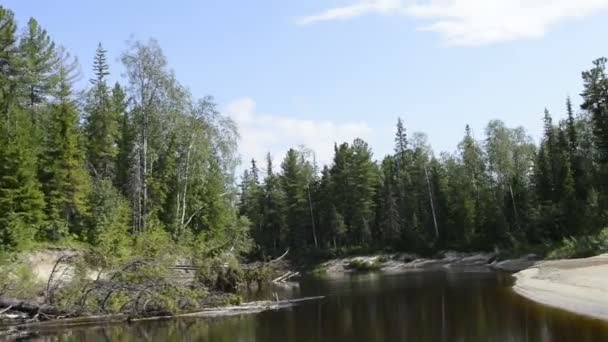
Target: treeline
column 499, row 191
column 116, row 166
column 134, row 166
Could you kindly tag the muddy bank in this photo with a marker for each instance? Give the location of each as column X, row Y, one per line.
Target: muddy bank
column 577, row 285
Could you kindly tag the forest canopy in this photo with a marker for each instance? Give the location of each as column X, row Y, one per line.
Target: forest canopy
column 141, row 163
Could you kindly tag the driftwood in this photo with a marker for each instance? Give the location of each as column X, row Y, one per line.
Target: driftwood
column 279, row 258
column 25, row 329
column 30, row 307
column 245, row 308
column 186, row 267
column 286, row 277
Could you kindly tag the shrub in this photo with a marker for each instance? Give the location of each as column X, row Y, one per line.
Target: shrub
column 19, row 281
column 360, row 265
column 581, row 247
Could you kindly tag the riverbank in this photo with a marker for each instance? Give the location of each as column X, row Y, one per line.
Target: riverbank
column 403, row 262
column 63, row 286
column 576, row 285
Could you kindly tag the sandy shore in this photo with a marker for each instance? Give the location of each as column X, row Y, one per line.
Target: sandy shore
column 577, row 285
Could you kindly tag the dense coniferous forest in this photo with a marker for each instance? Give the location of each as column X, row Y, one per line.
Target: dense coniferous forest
column 141, row 165
column 501, row 191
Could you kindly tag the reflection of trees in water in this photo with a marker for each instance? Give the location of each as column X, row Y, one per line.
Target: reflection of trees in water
column 415, row 307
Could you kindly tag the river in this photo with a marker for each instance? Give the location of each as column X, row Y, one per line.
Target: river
column 416, row 306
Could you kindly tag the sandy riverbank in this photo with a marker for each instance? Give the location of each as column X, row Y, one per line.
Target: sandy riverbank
column 577, row 285
column 402, row 262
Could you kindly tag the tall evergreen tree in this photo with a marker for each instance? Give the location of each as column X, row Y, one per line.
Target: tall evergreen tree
column 21, row 200
column 125, row 144
column 294, row 183
column 102, row 125
column 65, row 179
column 274, row 224
column 388, row 220
column 595, row 101
column 41, row 63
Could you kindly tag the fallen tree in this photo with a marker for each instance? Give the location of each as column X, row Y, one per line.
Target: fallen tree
column 27, row 328
column 30, row 308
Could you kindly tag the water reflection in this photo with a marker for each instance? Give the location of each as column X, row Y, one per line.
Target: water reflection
column 422, row 306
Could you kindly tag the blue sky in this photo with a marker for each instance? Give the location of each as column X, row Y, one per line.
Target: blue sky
column 314, row 72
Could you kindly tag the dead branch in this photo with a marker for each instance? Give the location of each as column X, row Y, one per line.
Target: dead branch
column 279, row 258
column 63, row 258
column 286, row 277
column 30, row 307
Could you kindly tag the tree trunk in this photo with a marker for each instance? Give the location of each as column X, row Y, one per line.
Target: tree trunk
column 312, row 219
column 29, row 307
column 428, row 182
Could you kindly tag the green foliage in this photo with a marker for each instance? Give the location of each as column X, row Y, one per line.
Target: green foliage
column 259, row 275
column 109, row 223
column 359, row 265
column 18, row 281
column 154, row 243
column 38, row 77
column 581, row 247
column 102, row 127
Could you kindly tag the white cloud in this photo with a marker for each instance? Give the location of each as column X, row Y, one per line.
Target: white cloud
column 363, row 7
column 474, row 22
column 262, row 133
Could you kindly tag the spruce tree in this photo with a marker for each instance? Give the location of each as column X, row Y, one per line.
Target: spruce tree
column 389, row 221
column 294, row 185
column 571, row 124
column 124, row 158
column 102, row 125
column 21, row 200
column 39, row 76
column 65, row 179
column 595, row 101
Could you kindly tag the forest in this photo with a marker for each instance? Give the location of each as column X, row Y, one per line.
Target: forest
column 141, row 167
column 502, row 192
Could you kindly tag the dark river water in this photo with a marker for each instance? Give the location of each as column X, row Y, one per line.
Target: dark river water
column 420, row 306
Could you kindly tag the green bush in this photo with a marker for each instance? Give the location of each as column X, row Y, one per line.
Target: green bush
column 18, row 281
column 359, row 265
column 581, row 247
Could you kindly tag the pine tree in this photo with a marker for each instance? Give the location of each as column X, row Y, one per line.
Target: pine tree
column 571, row 124
column 595, row 100
column 294, row 184
column 363, row 192
column 65, row 179
column 389, row 221
column 251, row 200
column 9, row 60
column 124, row 158
column 274, row 212
column 400, row 140
column 39, row 76
column 21, row 200
column 102, row 125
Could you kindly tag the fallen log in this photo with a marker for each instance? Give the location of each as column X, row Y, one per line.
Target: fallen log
column 245, row 308
column 286, row 277
column 68, row 322
column 30, row 307
column 24, row 329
